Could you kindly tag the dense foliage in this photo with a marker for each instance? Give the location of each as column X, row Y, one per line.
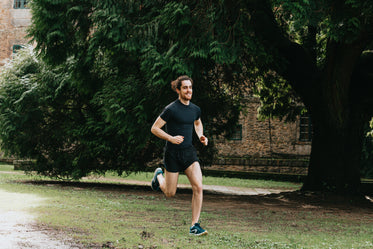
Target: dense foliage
column 101, row 77
column 121, row 55
column 45, row 117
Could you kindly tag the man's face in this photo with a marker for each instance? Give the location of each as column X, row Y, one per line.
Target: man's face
column 186, row 90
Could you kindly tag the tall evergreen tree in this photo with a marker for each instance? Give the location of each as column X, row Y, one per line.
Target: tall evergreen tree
column 118, row 58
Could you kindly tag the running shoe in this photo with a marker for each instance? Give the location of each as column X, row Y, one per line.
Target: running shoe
column 197, row 230
column 155, row 183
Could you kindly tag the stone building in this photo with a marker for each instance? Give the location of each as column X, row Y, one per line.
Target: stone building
column 267, row 138
column 265, row 146
column 14, row 19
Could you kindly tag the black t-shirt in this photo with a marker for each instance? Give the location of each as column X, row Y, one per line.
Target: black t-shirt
column 180, row 121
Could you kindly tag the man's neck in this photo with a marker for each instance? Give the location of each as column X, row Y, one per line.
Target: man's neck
column 185, row 102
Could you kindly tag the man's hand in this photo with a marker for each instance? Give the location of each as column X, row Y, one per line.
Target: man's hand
column 176, row 139
column 203, row 140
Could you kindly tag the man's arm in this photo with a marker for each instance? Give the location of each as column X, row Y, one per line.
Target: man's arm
column 157, row 130
column 198, row 126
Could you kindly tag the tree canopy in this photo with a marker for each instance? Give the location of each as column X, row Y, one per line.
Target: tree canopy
column 111, row 63
column 121, row 55
column 322, row 51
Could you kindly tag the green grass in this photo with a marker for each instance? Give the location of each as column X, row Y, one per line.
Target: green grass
column 209, row 180
column 128, row 218
column 6, row 167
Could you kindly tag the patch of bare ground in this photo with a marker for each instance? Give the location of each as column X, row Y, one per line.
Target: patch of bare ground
column 18, row 228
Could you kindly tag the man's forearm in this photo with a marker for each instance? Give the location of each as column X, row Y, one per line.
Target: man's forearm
column 199, row 129
column 161, row 134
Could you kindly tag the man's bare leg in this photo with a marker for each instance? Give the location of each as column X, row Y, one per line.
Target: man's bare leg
column 168, row 183
column 194, row 175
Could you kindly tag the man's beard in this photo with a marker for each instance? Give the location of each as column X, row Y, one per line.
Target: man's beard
column 185, row 97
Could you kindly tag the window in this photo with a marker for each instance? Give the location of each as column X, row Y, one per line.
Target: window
column 20, row 4
column 305, row 128
column 237, row 133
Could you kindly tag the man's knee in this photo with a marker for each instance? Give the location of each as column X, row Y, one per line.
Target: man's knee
column 197, row 188
column 170, row 193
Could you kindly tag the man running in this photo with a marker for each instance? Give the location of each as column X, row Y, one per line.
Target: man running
column 180, row 155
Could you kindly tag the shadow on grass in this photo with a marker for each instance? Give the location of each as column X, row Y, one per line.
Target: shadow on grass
column 292, row 200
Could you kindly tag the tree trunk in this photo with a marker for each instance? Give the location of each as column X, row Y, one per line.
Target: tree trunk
column 335, row 157
column 338, row 123
column 335, row 92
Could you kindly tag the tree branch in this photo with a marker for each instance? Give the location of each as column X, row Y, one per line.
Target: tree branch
column 292, row 62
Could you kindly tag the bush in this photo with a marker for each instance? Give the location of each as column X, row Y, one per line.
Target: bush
column 69, row 133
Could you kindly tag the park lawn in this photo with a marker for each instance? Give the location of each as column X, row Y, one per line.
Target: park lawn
column 6, row 167
column 124, row 217
column 207, row 180
column 112, row 177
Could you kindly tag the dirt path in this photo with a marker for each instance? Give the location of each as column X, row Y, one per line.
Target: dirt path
column 16, row 230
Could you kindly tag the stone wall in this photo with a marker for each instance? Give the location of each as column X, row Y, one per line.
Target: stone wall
column 264, row 138
column 296, row 166
column 13, row 25
column 266, row 146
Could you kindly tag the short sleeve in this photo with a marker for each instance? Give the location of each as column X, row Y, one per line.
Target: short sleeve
column 198, row 113
column 165, row 115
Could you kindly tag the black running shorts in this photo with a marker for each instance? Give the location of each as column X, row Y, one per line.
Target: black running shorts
column 178, row 160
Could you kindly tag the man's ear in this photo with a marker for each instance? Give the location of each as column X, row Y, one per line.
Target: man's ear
column 177, row 91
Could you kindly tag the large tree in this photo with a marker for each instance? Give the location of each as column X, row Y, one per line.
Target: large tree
column 322, row 51
column 315, row 50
